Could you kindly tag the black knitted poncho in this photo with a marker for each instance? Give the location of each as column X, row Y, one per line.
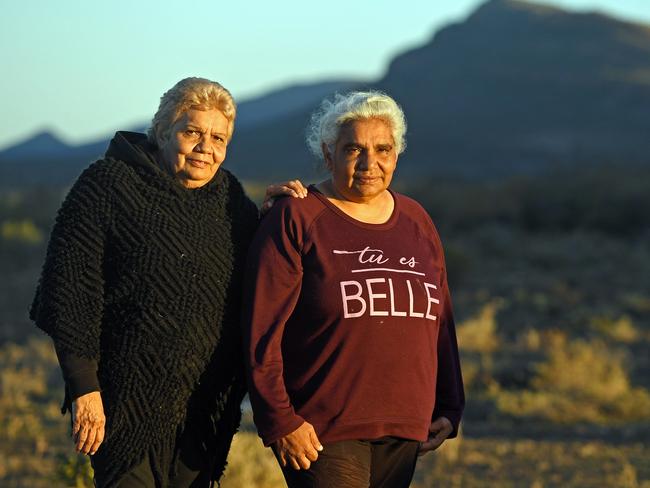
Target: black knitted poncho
column 143, row 276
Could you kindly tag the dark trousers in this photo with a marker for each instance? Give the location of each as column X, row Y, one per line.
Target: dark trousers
column 382, row 463
column 194, row 469
column 142, row 477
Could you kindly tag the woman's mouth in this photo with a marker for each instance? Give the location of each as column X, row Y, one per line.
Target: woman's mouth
column 197, row 162
column 366, row 180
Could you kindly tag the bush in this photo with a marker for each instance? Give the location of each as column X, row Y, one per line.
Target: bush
column 580, row 381
column 23, row 231
column 620, row 330
column 479, row 333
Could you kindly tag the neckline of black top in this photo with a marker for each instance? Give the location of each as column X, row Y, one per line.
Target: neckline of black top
column 135, row 150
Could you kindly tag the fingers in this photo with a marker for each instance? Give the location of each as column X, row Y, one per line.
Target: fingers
column 296, row 188
column 89, row 441
column 81, row 437
column 304, row 454
column 271, row 191
column 293, row 188
column 293, row 463
column 298, row 462
column 98, row 441
column 430, row 444
column 299, row 448
column 304, row 463
column 314, row 441
column 439, row 430
column 310, row 453
column 312, row 444
column 282, row 458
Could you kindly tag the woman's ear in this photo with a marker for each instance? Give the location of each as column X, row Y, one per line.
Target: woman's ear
column 327, row 156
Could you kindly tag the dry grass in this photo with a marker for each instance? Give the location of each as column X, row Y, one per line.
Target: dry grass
column 33, row 434
column 251, row 465
column 504, row 463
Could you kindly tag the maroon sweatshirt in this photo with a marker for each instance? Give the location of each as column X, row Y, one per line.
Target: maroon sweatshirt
column 349, row 325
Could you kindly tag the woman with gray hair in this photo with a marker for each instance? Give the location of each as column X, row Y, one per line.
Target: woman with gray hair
column 349, row 334
column 140, row 292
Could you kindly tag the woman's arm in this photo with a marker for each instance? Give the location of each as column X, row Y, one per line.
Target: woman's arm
column 271, row 287
column 69, row 300
column 450, row 395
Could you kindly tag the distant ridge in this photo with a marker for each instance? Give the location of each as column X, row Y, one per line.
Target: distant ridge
column 516, row 88
column 519, row 86
column 43, row 143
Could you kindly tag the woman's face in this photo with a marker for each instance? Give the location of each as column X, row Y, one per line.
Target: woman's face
column 196, row 146
column 363, row 160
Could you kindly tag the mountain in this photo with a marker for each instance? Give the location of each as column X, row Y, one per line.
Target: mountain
column 43, row 144
column 516, row 88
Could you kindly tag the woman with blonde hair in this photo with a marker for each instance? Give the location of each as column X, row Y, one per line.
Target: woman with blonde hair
column 140, row 292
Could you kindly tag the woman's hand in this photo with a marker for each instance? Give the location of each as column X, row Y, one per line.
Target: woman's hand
column 88, row 422
column 293, row 188
column 439, row 430
column 298, row 449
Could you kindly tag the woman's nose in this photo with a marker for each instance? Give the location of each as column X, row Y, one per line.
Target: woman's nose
column 366, row 160
column 204, row 145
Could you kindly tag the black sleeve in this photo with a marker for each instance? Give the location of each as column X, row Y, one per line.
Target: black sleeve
column 69, row 301
column 80, row 374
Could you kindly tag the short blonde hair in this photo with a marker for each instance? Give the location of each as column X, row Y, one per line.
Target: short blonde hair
column 187, row 94
column 327, row 121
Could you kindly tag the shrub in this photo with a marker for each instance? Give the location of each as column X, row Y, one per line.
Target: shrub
column 23, row 231
column 479, row 333
column 580, row 381
column 620, row 330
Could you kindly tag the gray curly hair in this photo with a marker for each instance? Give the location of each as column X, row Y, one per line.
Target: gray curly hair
column 326, row 122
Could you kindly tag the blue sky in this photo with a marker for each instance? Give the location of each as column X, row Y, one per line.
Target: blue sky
column 85, row 69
